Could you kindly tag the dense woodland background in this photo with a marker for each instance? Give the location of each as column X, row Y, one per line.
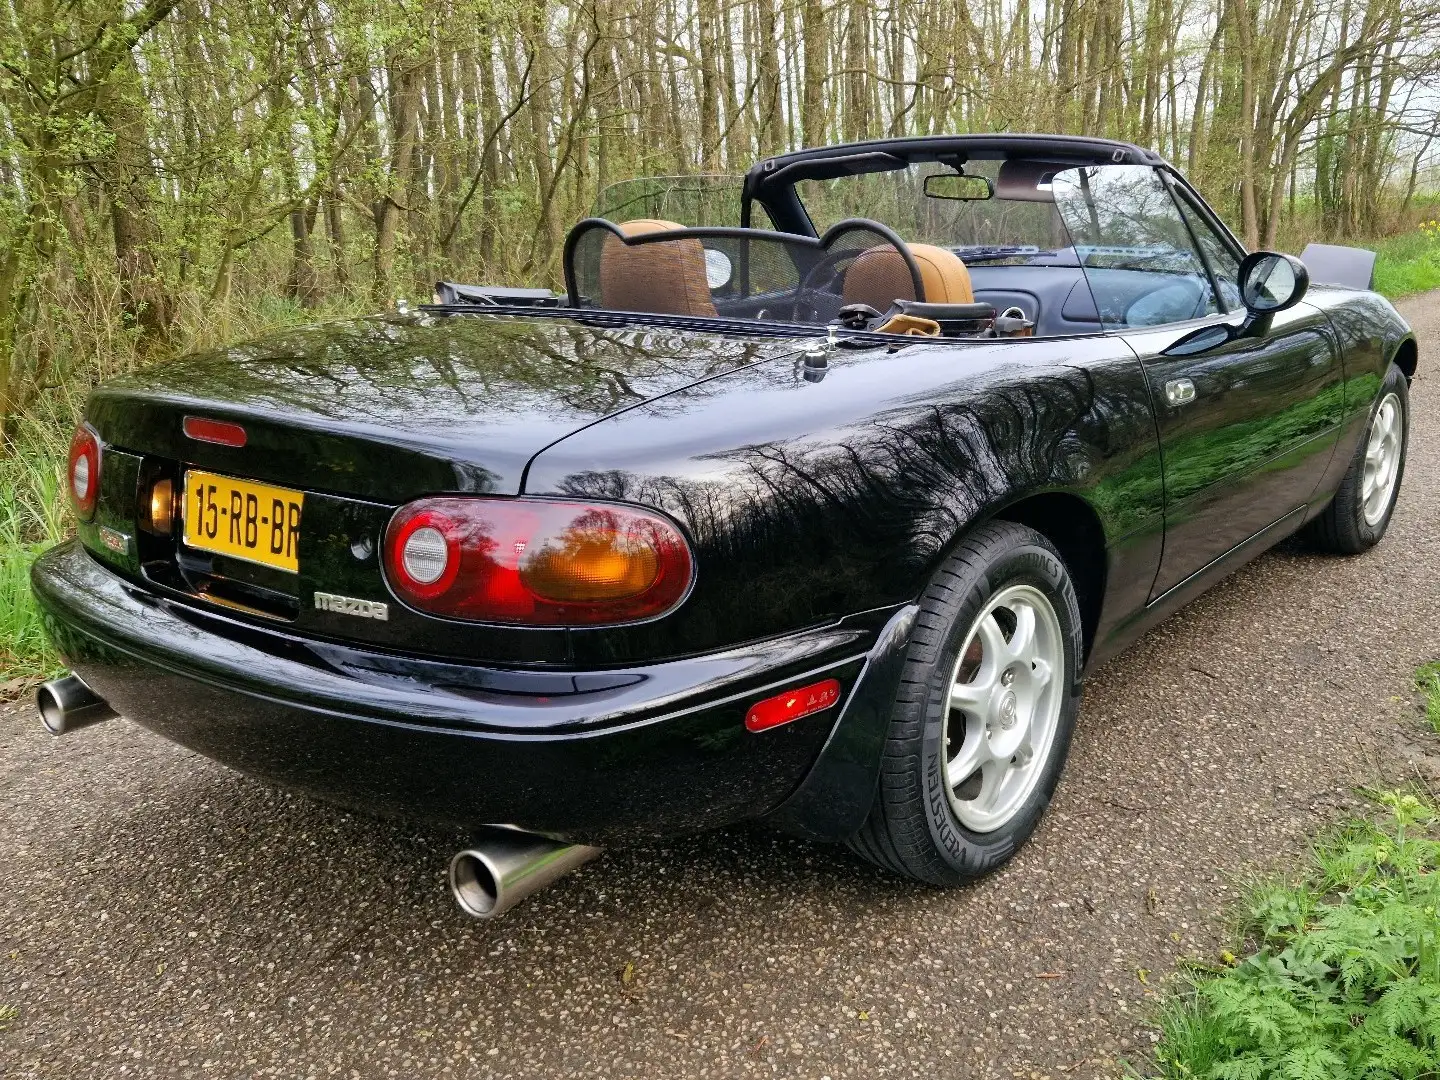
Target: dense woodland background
column 176, row 174
column 178, row 171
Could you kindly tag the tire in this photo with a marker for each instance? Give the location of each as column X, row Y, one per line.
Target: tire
column 925, row 824
column 1358, row 515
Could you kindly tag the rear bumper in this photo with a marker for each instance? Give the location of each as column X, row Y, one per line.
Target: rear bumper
column 597, row 756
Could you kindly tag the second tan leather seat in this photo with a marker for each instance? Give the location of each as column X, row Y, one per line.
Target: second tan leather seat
column 879, row 277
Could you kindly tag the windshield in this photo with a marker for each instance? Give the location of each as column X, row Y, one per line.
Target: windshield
column 692, row 201
column 998, row 229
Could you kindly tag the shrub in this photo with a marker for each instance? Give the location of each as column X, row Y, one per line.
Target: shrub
column 1344, row 977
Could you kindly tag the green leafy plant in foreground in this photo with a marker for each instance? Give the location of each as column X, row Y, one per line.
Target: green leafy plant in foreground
column 1427, row 681
column 1344, row 979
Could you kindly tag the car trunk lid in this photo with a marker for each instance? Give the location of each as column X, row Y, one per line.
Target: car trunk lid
column 389, row 409
column 354, row 419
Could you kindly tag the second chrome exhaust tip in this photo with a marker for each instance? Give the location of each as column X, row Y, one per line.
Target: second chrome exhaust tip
column 506, row 865
column 67, row 704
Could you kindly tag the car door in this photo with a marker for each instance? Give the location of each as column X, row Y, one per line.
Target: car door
column 1246, row 427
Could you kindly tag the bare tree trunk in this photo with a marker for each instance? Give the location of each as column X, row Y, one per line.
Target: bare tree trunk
column 815, row 36
column 127, row 171
column 389, row 208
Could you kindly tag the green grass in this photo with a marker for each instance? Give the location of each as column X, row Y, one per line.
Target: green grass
column 1427, row 680
column 34, row 508
column 1342, row 976
column 34, row 514
column 1407, row 264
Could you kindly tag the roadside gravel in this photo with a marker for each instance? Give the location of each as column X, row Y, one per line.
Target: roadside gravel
column 163, row 917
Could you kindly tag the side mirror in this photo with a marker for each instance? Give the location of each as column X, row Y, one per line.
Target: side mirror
column 1271, row 282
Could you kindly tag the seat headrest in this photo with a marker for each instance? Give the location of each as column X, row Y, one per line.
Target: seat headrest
column 641, row 226
column 879, row 277
column 664, row 277
column 945, row 278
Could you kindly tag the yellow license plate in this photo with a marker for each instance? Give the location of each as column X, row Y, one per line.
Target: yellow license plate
column 242, row 519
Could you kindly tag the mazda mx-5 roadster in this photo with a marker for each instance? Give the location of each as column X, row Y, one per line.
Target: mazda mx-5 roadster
column 815, row 518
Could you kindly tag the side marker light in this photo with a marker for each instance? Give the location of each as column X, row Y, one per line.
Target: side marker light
column 792, row 705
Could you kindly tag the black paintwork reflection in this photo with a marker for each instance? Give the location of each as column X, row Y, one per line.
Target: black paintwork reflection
column 598, row 760
column 809, row 500
column 115, row 511
column 1253, row 444
column 388, row 409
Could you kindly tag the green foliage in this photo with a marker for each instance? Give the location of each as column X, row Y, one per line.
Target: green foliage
column 1427, row 681
column 1409, row 263
column 33, row 516
column 1344, row 981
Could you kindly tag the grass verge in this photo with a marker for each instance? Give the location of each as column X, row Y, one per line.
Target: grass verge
column 1342, row 979
column 1408, row 263
column 34, row 514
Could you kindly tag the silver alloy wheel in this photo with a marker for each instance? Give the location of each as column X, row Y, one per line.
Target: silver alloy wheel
column 1005, row 698
column 1382, row 459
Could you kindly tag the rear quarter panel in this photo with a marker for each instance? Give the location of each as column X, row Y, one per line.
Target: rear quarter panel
column 1370, row 333
column 808, row 499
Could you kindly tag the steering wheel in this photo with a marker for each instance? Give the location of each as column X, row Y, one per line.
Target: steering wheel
column 826, row 271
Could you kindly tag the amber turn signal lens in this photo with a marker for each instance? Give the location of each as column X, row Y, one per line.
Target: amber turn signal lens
column 162, row 508
column 589, row 564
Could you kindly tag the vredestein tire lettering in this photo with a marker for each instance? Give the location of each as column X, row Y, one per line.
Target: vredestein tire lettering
column 990, row 560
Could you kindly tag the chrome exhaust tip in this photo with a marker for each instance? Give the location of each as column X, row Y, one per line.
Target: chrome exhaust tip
column 506, row 865
column 67, row 704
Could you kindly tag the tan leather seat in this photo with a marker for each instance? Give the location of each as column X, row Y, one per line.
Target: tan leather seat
column 666, row 277
column 879, row 277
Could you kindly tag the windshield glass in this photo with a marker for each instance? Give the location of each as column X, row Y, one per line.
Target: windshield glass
column 996, row 229
column 692, row 201
column 1115, row 225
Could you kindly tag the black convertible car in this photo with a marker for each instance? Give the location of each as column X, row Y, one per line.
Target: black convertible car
column 815, row 519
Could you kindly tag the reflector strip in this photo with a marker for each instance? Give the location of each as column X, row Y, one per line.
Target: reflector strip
column 213, row 431
column 792, row 705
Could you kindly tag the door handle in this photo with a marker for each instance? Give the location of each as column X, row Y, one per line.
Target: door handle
column 1179, row 391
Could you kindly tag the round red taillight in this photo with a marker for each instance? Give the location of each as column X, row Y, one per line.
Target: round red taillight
column 422, row 554
column 536, row 562
column 84, row 472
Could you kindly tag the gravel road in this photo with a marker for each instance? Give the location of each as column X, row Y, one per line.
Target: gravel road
column 163, row 917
